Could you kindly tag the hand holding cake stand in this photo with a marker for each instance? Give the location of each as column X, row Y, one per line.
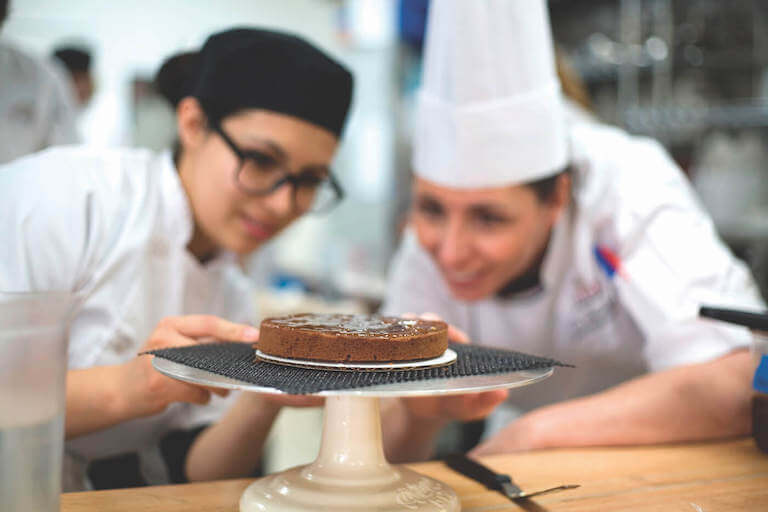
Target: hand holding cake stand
column 351, row 471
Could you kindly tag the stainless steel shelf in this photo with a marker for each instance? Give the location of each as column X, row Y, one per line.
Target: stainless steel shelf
column 652, row 120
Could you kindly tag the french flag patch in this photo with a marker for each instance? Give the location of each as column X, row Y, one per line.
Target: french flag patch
column 608, row 261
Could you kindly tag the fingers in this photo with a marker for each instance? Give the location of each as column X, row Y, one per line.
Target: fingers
column 166, row 390
column 465, row 407
column 202, row 326
column 494, row 397
column 454, row 333
column 473, row 406
column 166, row 337
column 482, row 404
column 424, row 316
column 457, row 335
column 296, row 400
column 218, row 391
column 194, row 394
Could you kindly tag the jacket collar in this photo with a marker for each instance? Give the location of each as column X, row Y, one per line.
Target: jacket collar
column 559, row 250
column 179, row 218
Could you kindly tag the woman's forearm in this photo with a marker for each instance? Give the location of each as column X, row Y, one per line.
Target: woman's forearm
column 93, row 401
column 233, row 446
column 406, row 438
column 411, row 424
column 100, row 397
column 696, row 402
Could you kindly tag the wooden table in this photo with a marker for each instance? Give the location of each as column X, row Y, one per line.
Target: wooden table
column 709, row 477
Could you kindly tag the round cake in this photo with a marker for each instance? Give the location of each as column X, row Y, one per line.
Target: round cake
column 352, row 338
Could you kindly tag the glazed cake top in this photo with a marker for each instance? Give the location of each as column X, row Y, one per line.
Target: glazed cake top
column 358, row 325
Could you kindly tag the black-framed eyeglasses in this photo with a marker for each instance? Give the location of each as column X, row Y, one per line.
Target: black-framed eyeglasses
column 262, row 171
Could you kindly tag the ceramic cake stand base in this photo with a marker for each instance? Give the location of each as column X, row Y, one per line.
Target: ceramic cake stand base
column 350, row 472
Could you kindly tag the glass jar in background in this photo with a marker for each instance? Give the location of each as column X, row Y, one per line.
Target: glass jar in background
column 33, row 366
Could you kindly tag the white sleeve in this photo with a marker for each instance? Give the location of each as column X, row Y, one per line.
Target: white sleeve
column 415, row 284
column 48, row 224
column 672, row 260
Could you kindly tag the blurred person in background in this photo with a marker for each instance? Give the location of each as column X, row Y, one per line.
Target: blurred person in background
column 37, row 104
column 77, row 60
column 538, row 229
column 148, row 243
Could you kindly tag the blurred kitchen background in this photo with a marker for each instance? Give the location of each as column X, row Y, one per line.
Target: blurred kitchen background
column 691, row 73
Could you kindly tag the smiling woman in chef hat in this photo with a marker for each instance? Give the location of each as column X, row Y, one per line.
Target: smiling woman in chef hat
column 536, row 230
column 148, row 242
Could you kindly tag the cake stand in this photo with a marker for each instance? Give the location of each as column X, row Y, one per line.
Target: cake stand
column 351, row 472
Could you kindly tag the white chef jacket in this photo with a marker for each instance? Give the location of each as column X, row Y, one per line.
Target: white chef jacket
column 112, row 226
column 37, row 105
column 629, row 198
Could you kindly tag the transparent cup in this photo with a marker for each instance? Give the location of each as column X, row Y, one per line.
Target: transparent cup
column 33, row 366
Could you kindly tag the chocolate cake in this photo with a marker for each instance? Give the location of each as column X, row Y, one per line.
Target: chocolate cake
column 352, row 338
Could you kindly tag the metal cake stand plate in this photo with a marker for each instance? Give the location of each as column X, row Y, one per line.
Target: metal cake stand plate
column 351, row 472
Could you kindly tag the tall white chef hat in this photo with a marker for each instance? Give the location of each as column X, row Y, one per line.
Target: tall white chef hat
column 489, row 110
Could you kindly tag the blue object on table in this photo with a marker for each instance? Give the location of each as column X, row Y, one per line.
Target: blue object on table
column 760, row 382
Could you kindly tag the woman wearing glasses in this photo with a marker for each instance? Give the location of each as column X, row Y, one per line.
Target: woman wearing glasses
column 149, row 245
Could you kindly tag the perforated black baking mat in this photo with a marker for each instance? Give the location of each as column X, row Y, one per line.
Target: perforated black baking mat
column 237, row 361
